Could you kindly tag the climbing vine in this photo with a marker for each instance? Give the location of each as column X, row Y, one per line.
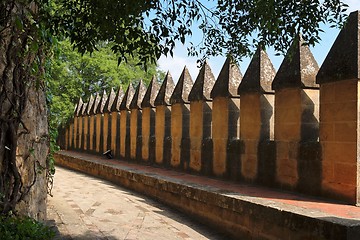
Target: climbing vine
column 22, row 49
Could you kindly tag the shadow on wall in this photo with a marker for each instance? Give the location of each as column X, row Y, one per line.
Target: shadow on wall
column 309, row 159
column 267, row 147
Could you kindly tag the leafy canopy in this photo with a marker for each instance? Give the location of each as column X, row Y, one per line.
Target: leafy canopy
column 151, row 28
column 72, row 75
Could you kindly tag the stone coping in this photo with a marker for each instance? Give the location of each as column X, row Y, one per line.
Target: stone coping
column 242, row 210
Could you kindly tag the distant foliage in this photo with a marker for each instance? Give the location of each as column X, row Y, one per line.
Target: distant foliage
column 72, row 75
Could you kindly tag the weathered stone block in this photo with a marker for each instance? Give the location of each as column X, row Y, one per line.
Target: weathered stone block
column 98, row 131
column 344, row 152
column 135, row 131
column 86, row 132
column 91, row 132
column 115, row 125
column 124, row 132
column 105, row 132
column 346, row 172
column 345, row 131
column 339, row 111
column 195, row 157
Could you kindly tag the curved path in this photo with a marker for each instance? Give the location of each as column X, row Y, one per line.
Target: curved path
column 83, row 207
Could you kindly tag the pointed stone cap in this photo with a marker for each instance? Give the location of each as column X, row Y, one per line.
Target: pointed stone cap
column 90, row 105
column 83, row 109
column 101, row 105
column 75, row 109
column 117, row 100
column 129, row 94
column 298, row 69
column 166, row 90
column 78, row 106
column 150, row 95
column 259, row 75
column 95, row 104
column 182, row 88
column 228, row 80
column 203, row 84
column 343, row 59
column 109, row 101
column 138, row 96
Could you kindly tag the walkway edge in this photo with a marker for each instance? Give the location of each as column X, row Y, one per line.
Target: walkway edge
column 237, row 217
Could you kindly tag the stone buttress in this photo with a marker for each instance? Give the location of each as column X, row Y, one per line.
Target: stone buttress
column 225, row 121
column 148, row 122
column 125, row 123
column 135, row 122
column 296, row 112
column 163, row 122
column 180, row 121
column 257, row 120
column 200, row 121
column 115, row 123
column 107, row 123
column 339, row 78
column 100, row 122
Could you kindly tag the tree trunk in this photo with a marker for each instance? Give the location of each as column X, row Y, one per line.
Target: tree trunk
column 23, row 117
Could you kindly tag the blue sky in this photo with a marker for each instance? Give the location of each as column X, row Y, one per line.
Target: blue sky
column 176, row 64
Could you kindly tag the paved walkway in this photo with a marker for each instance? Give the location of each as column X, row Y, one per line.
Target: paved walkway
column 84, row 207
column 287, row 201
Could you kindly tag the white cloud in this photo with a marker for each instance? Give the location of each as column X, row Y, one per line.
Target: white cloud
column 176, row 65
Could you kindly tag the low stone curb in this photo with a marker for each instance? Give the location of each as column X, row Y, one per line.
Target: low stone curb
column 240, row 216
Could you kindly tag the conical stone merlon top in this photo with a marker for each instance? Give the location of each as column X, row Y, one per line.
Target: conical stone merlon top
column 95, row 105
column 83, row 109
column 259, row 75
column 102, row 102
column 203, row 84
column 182, row 88
column 138, row 96
column 150, row 95
column 109, row 101
column 228, row 80
column 126, row 101
column 90, row 105
column 298, row 69
column 117, row 100
column 79, row 106
column 343, row 59
column 166, row 90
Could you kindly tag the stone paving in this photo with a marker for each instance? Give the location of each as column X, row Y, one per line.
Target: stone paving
column 83, row 207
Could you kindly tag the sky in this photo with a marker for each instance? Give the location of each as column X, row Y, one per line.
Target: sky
column 176, row 64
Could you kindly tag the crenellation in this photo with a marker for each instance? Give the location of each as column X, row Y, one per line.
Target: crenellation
column 109, row 101
column 148, row 120
column 256, row 113
column 200, row 117
column 295, row 129
column 163, row 121
column 180, row 121
column 117, row 100
column 182, row 89
column 296, row 113
column 125, row 123
column 135, row 121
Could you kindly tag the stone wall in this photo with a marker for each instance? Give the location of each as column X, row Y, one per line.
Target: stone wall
column 296, row 129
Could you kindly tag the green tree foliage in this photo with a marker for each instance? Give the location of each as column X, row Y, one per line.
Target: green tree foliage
column 153, row 27
column 72, row 75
